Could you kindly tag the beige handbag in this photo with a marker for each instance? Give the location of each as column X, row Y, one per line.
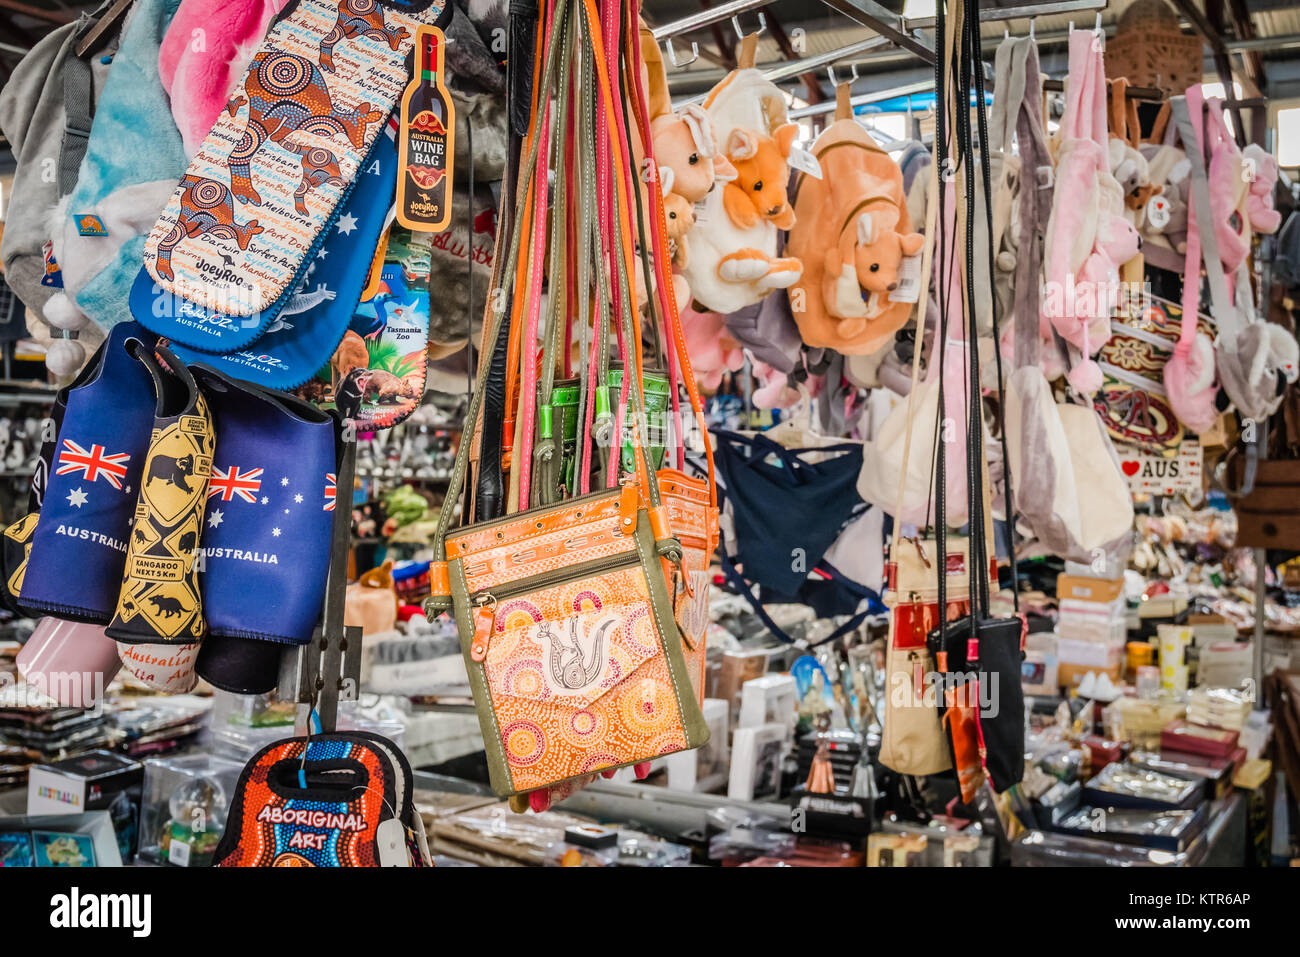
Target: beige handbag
column 912, row 740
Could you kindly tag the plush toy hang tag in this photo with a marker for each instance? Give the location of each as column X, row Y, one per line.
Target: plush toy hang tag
column 909, row 280
column 1159, row 211
column 805, row 162
column 426, row 141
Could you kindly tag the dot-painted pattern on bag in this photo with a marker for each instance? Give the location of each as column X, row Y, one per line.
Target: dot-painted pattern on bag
column 276, row 830
column 283, row 153
column 579, row 681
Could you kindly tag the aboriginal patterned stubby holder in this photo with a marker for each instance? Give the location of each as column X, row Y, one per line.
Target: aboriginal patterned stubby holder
column 65, row 557
column 160, row 600
column 331, row 800
column 272, row 176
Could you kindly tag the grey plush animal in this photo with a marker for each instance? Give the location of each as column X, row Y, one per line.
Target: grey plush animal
column 1256, row 367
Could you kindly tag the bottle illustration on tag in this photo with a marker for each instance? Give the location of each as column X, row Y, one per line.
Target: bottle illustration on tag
column 426, row 141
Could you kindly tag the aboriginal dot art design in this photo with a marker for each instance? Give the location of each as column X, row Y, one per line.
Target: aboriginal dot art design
column 332, row 826
column 695, row 523
column 283, row 154
column 579, row 681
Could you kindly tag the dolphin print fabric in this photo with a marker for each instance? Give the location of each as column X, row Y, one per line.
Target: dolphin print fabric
column 252, row 209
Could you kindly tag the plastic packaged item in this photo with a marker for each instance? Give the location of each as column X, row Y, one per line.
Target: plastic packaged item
column 186, row 801
column 751, row 839
column 896, row 850
column 1130, row 786
column 1037, row 848
column 942, row 842
column 1170, row 830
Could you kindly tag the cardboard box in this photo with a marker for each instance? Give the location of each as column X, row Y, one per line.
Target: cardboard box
column 1089, row 589
column 94, row 781
column 706, row 767
column 1095, row 654
column 1069, row 675
column 1225, row 664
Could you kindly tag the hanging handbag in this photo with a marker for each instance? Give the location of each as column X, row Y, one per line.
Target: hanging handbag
column 328, row 800
column 1071, row 494
column 912, row 739
column 1256, row 360
column 565, row 616
column 980, row 655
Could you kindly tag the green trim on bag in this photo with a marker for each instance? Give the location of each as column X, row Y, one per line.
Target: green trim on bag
column 498, row 767
column 688, row 706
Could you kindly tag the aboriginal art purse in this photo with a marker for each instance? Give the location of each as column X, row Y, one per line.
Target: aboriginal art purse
column 569, row 612
column 268, row 184
column 329, row 800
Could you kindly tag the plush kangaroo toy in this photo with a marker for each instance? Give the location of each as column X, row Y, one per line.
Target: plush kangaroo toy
column 853, row 233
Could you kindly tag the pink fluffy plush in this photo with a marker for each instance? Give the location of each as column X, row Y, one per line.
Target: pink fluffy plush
column 1259, row 203
column 204, row 54
column 773, row 390
column 712, row 351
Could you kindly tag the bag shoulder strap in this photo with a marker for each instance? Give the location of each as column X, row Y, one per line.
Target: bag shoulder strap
column 1201, row 242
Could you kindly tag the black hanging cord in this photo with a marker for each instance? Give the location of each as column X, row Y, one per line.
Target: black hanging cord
column 981, row 117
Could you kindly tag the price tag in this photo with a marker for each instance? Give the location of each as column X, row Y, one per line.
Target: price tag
column 805, row 162
column 390, row 838
column 909, row 280
column 178, row 853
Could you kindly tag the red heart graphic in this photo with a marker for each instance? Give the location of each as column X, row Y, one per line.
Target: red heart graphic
column 1131, row 468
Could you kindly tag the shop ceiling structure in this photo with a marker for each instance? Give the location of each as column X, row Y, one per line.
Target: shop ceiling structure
column 1256, row 42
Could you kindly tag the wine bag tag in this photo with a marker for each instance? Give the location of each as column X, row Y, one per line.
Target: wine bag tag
column 426, row 140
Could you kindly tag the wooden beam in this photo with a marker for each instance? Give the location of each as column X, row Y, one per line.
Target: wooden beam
column 1245, row 30
column 1222, row 59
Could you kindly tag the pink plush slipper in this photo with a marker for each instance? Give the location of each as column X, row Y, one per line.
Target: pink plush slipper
column 204, row 54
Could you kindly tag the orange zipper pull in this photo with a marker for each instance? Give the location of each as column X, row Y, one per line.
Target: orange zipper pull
column 485, row 614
